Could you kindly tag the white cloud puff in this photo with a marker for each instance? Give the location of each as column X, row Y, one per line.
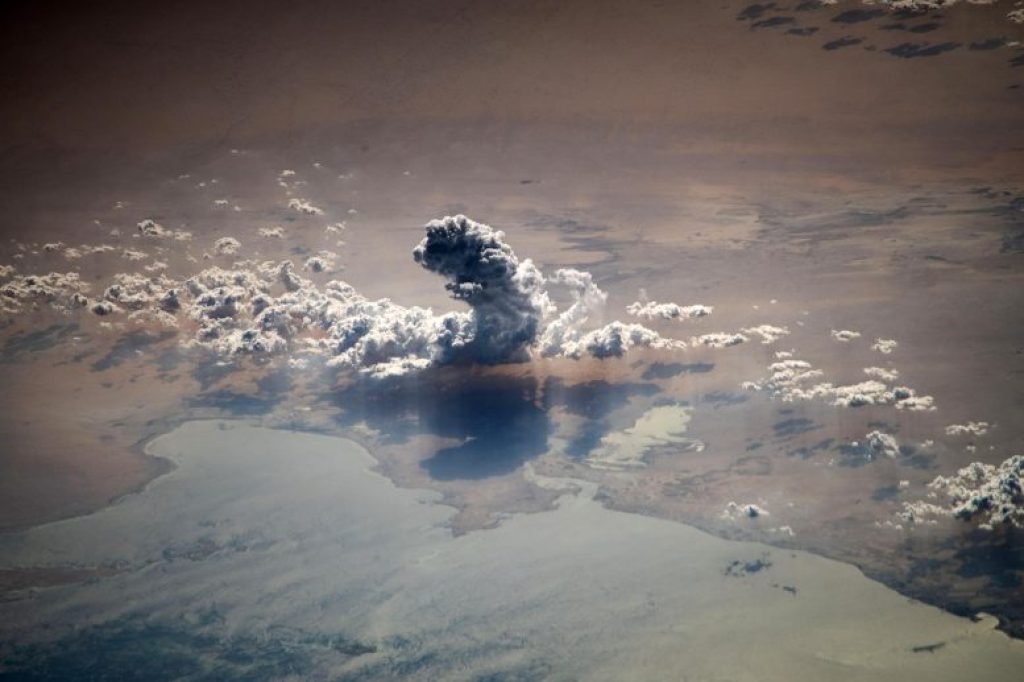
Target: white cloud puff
column 718, row 340
column 668, row 311
column 885, row 346
column 768, row 333
column 323, row 261
column 276, row 232
column 882, row 373
column 226, row 246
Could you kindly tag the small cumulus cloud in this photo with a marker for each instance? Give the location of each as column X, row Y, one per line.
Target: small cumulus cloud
column 885, row 346
column 968, row 429
column 719, row 339
column 321, row 262
column 652, row 310
column 768, row 333
column 304, row 206
column 844, row 335
column 276, row 232
column 226, row 246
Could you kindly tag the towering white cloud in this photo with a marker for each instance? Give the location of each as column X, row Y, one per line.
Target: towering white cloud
column 506, row 296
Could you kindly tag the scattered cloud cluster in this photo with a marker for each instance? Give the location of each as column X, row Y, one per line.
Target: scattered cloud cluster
column 154, row 230
column 791, row 380
column 993, row 494
column 267, row 307
column 968, row 429
column 60, row 290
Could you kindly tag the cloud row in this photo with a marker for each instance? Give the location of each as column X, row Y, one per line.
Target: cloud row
column 267, row 307
column 791, row 379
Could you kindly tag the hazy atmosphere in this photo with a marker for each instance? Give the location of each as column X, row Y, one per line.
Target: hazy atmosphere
column 512, row 341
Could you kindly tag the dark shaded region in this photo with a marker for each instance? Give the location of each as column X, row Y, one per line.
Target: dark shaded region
column 738, row 568
column 885, row 493
column 856, row 16
column 133, row 650
column 793, row 427
column 500, row 421
column 36, row 341
column 754, row 11
column 210, row 372
column 915, row 50
column 803, row 31
column 997, row 556
column 989, row 44
column 502, row 427
column 130, row 346
column 773, row 22
column 667, row 370
column 235, row 403
column 811, row 450
column 927, row 648
column 846, row 41
column 807, row 6
column 724, row 398
column 1017, row 61
column 593, row 399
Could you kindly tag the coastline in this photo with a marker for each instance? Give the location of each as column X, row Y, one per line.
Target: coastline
column 29, row 577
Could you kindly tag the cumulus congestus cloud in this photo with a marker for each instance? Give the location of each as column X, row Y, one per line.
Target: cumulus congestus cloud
column 506, row 296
